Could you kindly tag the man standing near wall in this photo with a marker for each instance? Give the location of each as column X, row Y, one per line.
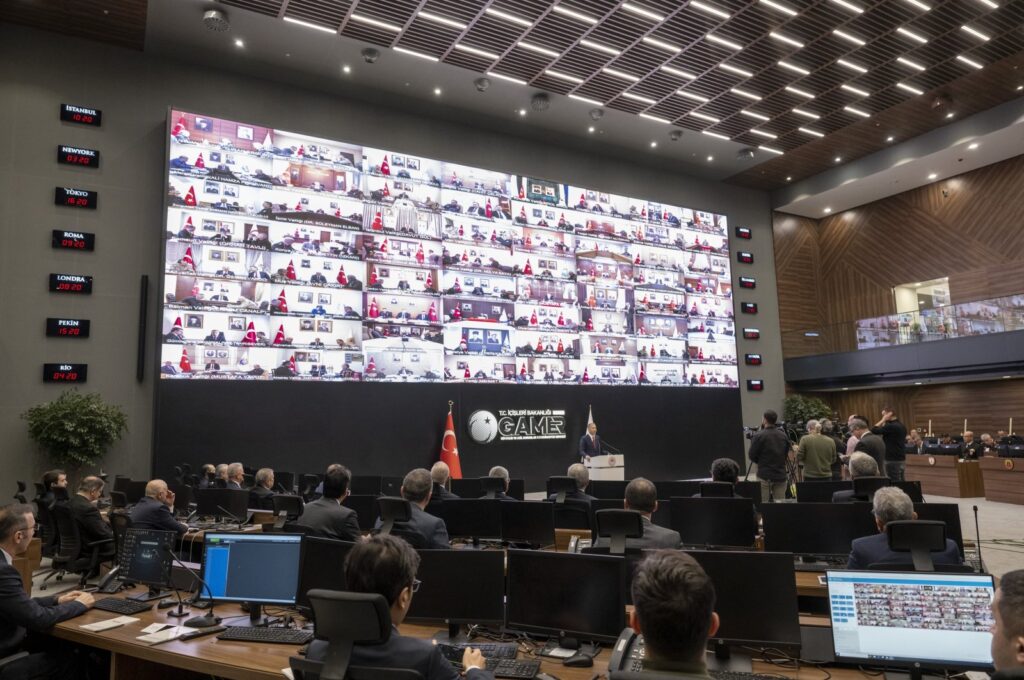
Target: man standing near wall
column 769, row 448
column 894, row 434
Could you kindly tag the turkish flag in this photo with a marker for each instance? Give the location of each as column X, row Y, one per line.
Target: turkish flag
column 450, row 449
column 190, row 197
column 290, row 272
column 184, row 364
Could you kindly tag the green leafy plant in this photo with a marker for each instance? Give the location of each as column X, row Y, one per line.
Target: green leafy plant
column 797, row 408
column 76, row 429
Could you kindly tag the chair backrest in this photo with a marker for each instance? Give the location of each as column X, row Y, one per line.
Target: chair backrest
column 40, row 491
column 47, row 528
column 344, row 619
column 716, row 490
column 574, row 514
column 118, row 499
column 560, row 485
column 285, row 481
column 918, row 537
column 69, row 547
column 308, row 486
column 20, row 494
column 393, row 510
column 618, row 525
column 909, row 566
column 290, row 504
column 492, row 486
column 248, row 480
column 120, row 522
column 865, row 487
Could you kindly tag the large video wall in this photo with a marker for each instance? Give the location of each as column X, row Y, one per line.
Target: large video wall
column 297, row 258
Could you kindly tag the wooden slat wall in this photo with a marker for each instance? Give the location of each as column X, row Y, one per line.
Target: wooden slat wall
column 968, row 228
column 988, row 406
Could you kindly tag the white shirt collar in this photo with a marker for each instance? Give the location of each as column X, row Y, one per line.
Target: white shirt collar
column 7, row 556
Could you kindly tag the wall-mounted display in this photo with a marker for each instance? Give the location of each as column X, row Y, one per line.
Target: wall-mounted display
column 83, row 115
column 65, row 373
column 293, row 256
column 73, row 240
column 67, row 328
column 71, row 283
column 752, row 359
column 75, row 198
column 748, row 282
column 744, row 233
column 745, row 257
column 755, row 385
column 74, row 155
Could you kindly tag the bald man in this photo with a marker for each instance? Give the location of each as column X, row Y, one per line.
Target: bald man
column 156, row 509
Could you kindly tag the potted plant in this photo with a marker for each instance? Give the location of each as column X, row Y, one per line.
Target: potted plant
column 796, row 408
column 76, row 429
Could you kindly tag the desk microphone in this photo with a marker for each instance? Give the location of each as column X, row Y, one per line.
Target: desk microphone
column 208, row 619
column 605, row 442
column 233, row 516
column 977, row 540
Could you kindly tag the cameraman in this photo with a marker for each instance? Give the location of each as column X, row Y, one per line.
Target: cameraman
column 769, row 448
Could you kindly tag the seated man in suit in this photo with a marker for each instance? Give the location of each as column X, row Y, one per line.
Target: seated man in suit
column 326, row 516
column 221, row 479
column 1008, row 629
column 21, row 615
column 156, row 509
column 260, row 495
column 416, row 488
column 892, row 504
column 674, row 609
column 387, row 565
column 91, row 524
column 439, row 474
column 642, row 496
column 52, row 479
column 861, row 465
column 207, row 475
column 580, row 473
column 236, row 476
column 502, row 473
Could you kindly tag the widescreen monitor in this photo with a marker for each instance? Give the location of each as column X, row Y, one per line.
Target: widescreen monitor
column 531, row 522
column 290, row 256
column 939, row 621
column 714, row 521
column 321, row 565
column 579, row 595
column 825, row 529
column 229, row 504
column 470, row 517
column 260, row 569
column 460, row 586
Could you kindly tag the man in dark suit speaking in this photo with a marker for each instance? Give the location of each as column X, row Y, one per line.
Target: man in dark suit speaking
column 590, row 444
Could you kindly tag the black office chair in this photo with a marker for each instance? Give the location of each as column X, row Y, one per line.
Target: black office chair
column 308, row 487
column 292, row 505
column 716, row 490
column 40, row 492
column 118, row 500
column 47, row 527
column 248, row 470
column 120, row 522
column 248, row 481
column 918, row 537
column 284, row 482
column 20, row 495
column 344, row 620
column 864, row 488
column 618, row 525
column 492, row 486
column 73, row 555
column 560, row 486
column 392, row 510
column 574, row 514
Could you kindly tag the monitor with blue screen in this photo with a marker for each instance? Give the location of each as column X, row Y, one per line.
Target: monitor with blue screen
column 255, row 568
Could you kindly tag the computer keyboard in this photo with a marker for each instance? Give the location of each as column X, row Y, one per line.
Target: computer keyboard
column 740, row 675
column 282, row 636
column 502, row 667
column 512, row 668
column 490, row 650
column 122, row 606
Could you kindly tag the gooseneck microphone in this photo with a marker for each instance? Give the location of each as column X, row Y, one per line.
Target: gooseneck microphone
column 208, row 619
column 977, row 540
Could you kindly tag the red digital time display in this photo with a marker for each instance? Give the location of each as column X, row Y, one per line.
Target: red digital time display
column 752, row 359
column 75, row 198
column 74, row 155
column 65, row 373
column 83, row 115
column 71, row 283
column 67, row 328
column 744, row 232
column 73, row 240
column 755, row 385
column 751, row 333
column 748, row 282
column 748, row 307
column 745, row 257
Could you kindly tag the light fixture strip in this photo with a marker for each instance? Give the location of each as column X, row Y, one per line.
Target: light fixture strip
column 679, row 72
column 709, row 9
column 849, row 37
column 538, row 49
column 641, row 11
column 744, row 93
column 793, row 67
column 510, row 79
column 579, row 16
column 418, row 55
column 917, row 37
column 780, row 7
column 660, row 44
column 786, row 39
column 477, row 51
column 307, row 24
column 806, row 114
column 508, row 17
column 370, row 21
column 600, row 48
column 799, row 92
column 444, row 21
column 564, row 76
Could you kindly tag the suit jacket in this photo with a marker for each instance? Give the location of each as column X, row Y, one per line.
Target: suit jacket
column 588, row 447
column 149, row 513
column 19, row 612
column 90, row 523
column 327, row 518
column 442, row 494
column 846, row 496
column 654, row 537
column 502, row 496
column 874, row 446
column 402, row 652
column 574, row 495
column 261, row 497
column 433, row 529
column 233, row 485
column 875, row 549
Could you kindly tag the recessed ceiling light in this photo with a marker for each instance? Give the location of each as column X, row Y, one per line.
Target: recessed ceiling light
column 849, row 38
column 850, row 65
column 950, row 114
column 838, row 159
column 1020, row 87
column 744, row 93
column 370, row 21
column 640, row 11
column 918, row 4
column 429, row 16
column 600, row 48
column 653, row 144
column 976, row 33
column 708, row 9
column 932, row 175
column 656, row 119
column 722, row 41
column 910, row 34
column 508, row 17
column 590, row 129
column 786, row 39
column 798, row 91
column 579, row 16
column 909, row 88
column 989, row 3
column 828, row 210
column 586, row 100
column 793, row 67
column 661, row 44
column 690, row 95
column 346, row 69
column 704, row 116
column 856, row 111
column 911, row 64
column 501, row 76
column 771, row 150
column 563, row 76
column 620, row 74
column 737, row 70
column 848, row 5
column 846, row 389
column 1006, row 377
column 418, row 55
column 307, row 24
column 969, row 62
column 762, row 133
column 710, row 158
column 639, row 98
column 919, row 383
column 780, row 7
column 477, row 51
column 972, row 146
column 437, row 91
column 239, row 42
column 714, row 134
column 522, row 112
column 856, row 90
column 789, row 178
column 679, row 72
column 809, row 131
column 806, row 114
column 538, row 49
column 890, row 138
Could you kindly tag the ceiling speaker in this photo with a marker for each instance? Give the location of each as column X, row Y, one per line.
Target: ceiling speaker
column 216, row 20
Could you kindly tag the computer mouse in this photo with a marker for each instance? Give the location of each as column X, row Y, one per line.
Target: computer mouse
column 579, row 661
column 544, row 676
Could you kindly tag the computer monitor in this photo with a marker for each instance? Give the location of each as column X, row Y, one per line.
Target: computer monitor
column 912, row 489
column 714, row 521
column 145, row 557
column 365, row 485
column 895, row 619
column 825, row 529
column 820, row 492
column 944, row 512
column 607, row 488
column 579, row 595
column 254, row 568
column 471, row 488
column 677, row 487
column 531, row 522
column 232, row 504
column 460, row 587
column 470, row 517
column 321, row 565
column 134, row 490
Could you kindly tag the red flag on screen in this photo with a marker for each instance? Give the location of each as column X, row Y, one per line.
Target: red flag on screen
column 450, row 448
column 184, row 364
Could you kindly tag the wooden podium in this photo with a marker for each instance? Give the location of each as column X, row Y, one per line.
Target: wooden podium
column 946, row 476
column 611, row 467
column 1004, row 479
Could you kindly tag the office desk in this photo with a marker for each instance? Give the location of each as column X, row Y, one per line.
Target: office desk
column 946, row 476
column 1004, row 479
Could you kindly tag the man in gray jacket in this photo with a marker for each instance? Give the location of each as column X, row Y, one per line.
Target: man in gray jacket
column 642, row 496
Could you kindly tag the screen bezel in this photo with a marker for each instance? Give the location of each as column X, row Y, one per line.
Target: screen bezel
column 450, row 554
column 168, row 538
column 251, row 536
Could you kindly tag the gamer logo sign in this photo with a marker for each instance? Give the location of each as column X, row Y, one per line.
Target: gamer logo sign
column 516, row 425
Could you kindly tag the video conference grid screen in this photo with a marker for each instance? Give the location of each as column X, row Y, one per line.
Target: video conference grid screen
column 290, row 256
column 932, row 618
